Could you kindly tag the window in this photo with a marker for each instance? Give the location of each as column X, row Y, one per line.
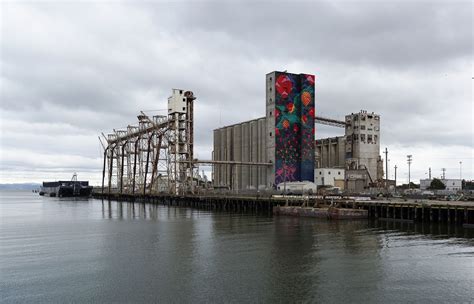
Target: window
column 339, row 173
column 369, row 138
column 180, row 91
column 270, row 113
column 375, row 138
column 184, row 99
column 319, row 172
column 270, row 134
column 184, row 108
column 362, row 127
column 362, row 137
column 329, row 172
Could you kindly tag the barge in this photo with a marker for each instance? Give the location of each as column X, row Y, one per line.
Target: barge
column 66, row 188
column 332, row 213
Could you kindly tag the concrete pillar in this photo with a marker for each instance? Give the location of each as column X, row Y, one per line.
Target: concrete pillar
column 245, row 155
column 237, row 154
column 253, row 153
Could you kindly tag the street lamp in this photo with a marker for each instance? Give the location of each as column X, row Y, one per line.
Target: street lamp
column 409, row 160
column 460, row 170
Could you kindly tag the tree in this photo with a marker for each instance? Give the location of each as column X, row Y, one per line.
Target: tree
column 437, row 184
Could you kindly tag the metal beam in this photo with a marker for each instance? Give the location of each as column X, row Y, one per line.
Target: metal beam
column 228, row 162
column 329, row 122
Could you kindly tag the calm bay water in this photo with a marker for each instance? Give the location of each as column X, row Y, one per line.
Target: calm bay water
column 63, row 250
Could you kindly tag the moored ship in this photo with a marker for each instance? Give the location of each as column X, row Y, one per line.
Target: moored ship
column 66, row 188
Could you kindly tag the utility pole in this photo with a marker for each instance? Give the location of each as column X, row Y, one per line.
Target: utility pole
column 444, row 173
column 386, row 168
column 395, row 177
column 409, row 160
column 429, row 173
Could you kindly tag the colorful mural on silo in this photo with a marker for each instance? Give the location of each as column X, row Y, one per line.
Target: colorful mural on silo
column 294, row 127
column 307, row 127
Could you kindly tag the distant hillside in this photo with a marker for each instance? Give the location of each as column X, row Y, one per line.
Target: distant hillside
column 24, row 186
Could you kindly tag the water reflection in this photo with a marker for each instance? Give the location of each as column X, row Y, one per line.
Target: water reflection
column 137, row 210
column 106, row 251
column 435, row 230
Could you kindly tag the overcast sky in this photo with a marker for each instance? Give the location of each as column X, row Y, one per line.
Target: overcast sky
column 69, row 71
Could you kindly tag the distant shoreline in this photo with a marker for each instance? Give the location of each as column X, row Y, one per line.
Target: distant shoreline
column 20, row 186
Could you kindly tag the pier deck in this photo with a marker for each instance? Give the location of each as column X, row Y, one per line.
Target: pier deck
column 455, row 212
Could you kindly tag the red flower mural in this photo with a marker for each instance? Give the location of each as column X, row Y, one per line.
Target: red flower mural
column 290, row 107
column 304, row 119
column 295, row 128
column 306, row 98
column 283, row 85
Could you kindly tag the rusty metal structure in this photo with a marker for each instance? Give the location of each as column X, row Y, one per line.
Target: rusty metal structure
column 155, row 155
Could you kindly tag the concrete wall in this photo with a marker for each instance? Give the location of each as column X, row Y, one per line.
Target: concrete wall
column 328, row 176
column 330, row 152
column 270, row 127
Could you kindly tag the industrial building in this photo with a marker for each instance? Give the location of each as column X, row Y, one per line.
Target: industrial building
column 278, row 147
column 329, row 177
column 451, row 184
column 281, row 147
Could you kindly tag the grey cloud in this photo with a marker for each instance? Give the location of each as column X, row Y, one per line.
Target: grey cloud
column 85, row 68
